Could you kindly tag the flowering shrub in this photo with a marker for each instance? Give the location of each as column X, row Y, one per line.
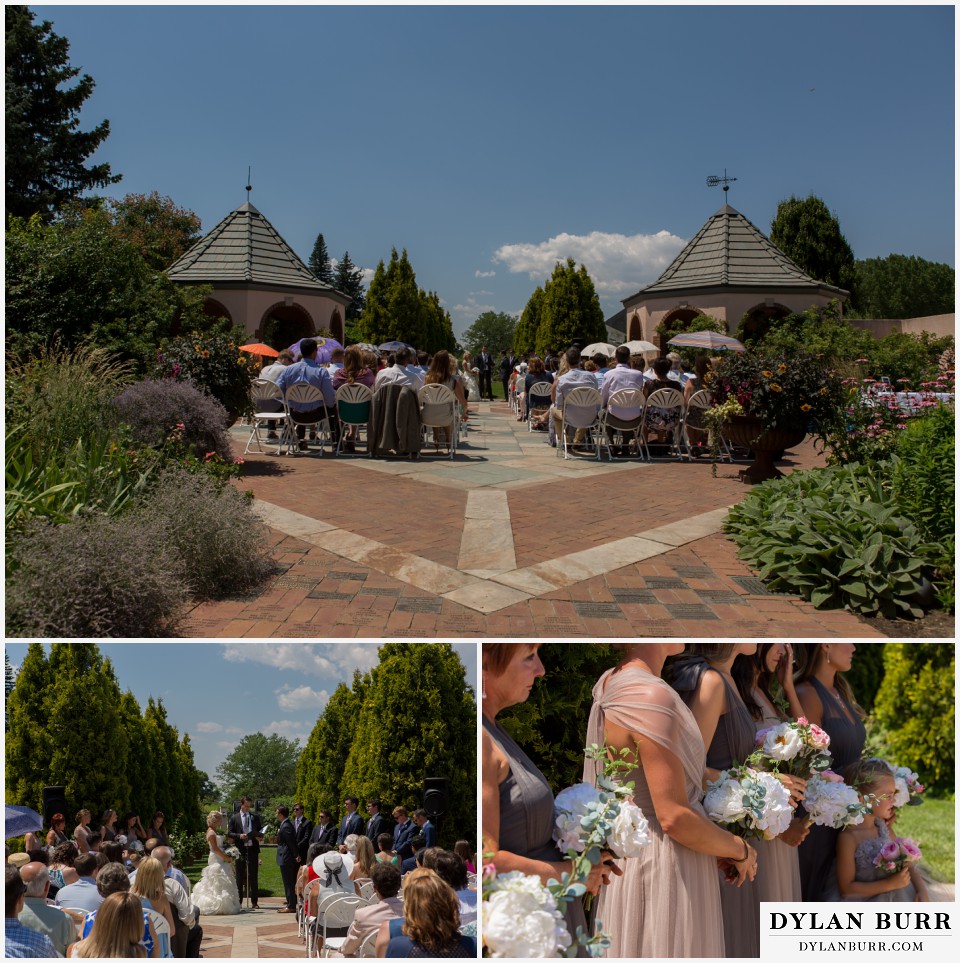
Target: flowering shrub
column 213, row 363
column 796, row 394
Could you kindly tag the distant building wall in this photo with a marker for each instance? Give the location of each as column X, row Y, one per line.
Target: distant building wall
column 939, row 325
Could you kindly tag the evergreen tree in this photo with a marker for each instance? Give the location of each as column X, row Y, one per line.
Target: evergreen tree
column 319, row 262
column 45, row 150
column 348, row 280
column 898, row 286
column 374, row 322
column 810, row 236
column 164, row 742
column 29, row 736
column 418, row 720
column 320, row 767
column 525, row 334
column 10, row 681
column 143, row 787
column 437, row 325
column 570, row 311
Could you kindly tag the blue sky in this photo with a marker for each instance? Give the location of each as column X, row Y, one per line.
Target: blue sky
column 491, row 141
column 220, row 692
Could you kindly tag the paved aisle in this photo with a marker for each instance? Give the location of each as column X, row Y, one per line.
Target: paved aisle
column 252, row 934
column 504, row 540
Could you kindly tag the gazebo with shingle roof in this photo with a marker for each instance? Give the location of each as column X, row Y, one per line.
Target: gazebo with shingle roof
column 259, row 282
column 729, row 270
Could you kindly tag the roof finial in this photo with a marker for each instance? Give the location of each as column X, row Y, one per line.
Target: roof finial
column 714, row 181
column 249, row 185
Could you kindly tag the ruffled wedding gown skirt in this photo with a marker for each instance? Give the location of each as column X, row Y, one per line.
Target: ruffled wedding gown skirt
column 216, row 892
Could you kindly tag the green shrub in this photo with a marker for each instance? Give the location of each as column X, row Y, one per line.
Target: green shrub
column 96, row 577
column 915, row 706
column 866, row 674
column 208, row 530
column 835, row 536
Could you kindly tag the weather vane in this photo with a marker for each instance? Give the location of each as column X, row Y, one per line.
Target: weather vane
column 250, row 186
column 714, row 181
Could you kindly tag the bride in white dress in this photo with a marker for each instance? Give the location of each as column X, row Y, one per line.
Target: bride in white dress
column 216, row 892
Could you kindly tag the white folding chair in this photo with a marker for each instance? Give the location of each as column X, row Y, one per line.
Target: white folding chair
column 664, row 401
column 581, row 412
column 338, row 915
column 365, row 890
column 164, row 936
column 354, row 403
column 629, row 401
column 312, row 920
column 537, row 397
column 307, row 394
column 262, row 391
column 439, row 410
column 693, row 419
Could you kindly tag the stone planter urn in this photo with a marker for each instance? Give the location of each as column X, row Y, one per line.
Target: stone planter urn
column 767, row 445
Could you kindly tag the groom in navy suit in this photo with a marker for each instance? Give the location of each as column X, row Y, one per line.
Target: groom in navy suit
column 287, row 858
column 352, row 822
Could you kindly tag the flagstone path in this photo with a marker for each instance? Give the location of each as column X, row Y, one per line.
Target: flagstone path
column 506, row 539
column 252, row 934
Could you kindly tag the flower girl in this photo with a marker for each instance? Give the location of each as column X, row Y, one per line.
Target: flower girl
column 871, row 863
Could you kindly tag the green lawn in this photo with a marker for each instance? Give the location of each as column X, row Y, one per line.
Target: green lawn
column 932, row 825
column 269, row 881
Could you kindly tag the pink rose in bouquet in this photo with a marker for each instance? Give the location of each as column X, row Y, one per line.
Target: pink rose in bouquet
column 897, row 854
column 792, row 748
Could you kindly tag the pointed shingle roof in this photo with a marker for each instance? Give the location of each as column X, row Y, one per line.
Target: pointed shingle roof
column 245, row 248
column 730, row 252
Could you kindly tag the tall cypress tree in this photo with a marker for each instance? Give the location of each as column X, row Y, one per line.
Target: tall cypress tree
column 45, row 151
column 806, row 231
column 319, row 262
column 570, row 309
column 29, row 737
column 418, row 720
column 525, row 333
column 143, row 787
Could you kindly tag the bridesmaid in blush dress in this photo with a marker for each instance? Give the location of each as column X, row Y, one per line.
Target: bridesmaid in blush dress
column 827, row 701
column 702, row 679
column 517, row 800
column 667, row 902
column 778, row 861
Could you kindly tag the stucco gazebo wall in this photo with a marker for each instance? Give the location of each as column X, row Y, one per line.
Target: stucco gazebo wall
column 727, row 307
column 248, row 306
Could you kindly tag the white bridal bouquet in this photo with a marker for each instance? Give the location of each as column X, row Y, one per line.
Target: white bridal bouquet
column 232, row 852
column 590, row 817
column 521, row 917
column 795, row 748
column 749, row 803
column 829, row 801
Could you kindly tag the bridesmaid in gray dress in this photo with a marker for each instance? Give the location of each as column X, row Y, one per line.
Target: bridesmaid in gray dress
column 701, row 677
column 517, row 799
column 828, row 702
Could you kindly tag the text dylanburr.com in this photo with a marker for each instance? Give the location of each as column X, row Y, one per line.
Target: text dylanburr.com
column 867, row 931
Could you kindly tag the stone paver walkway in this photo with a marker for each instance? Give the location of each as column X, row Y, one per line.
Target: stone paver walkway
column 252, row 934
column 505, row 540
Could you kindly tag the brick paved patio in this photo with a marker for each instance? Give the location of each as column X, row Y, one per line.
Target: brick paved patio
column 505, row 540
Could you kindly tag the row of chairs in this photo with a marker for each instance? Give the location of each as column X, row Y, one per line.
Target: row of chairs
column 583, row 412
column 335, row 911
column 439, row 411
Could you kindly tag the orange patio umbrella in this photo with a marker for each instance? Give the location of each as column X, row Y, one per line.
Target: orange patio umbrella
column 264, row 350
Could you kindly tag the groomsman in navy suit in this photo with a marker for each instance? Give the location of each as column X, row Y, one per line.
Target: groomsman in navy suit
column 325, row 831
column 377, row 823
column 304, row 828
column 352, row 822
column 427, row 828
column 403, row 832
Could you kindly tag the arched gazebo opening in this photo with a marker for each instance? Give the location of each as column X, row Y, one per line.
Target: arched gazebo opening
column 336, row 325
column 212, row 308
column 673, row 322
column 756, row 321
column 634, row 328
column 282, row 324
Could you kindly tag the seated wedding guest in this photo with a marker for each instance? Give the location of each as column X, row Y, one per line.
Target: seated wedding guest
column 403, row 832
column 148, row 885
column 402, row 372
column 386, row 884
column 463, row 849
column 601, row 367
column 158, row 829
column 117, row 931
column 82, row 833
column 40, row 916
column 355, row 369
column 417, row 845
column 349, row 845
column 62, row 871
column 674, row 373
column 307, row 370
column 113, row 880
column 56, row 835
column 430, row 924
column 83, row 893
column 306, row 873
column 333, row 871
column 662, row 420
column 165, row 855
column 619, row 377
column 336, row 360
column 188, row 935
column 364, row 859
column 441, row 373
column 573, row 377
column 452, row 870
column 20, row 940
column 385, row 847
column 272, row 372
column 112, row 852
column 536, row 374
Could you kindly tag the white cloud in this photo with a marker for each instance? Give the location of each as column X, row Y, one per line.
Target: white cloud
column 484, row 274
column 209, row 727
column 366, row 275
column 479, row 294
column 471, row 310
column 288, row 729
column 303, row 697
column 335, row 660
column 619, row 264
column 226, row 744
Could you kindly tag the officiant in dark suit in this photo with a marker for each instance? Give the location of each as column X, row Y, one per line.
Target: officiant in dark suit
column 246, row 832
column 304, row 828
column 485, row 373
column 325, row 831
column 287, row 858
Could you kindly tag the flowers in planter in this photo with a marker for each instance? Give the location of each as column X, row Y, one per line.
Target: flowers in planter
column 790, row 394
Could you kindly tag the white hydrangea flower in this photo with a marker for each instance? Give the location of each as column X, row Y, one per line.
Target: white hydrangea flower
column 521, row 920
column 630, row 831
column 777, row 812
column 568, row 808
column 782, row 743
column 724, row 800
column 902, row 795
column 831, row 803
column 567, row 833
